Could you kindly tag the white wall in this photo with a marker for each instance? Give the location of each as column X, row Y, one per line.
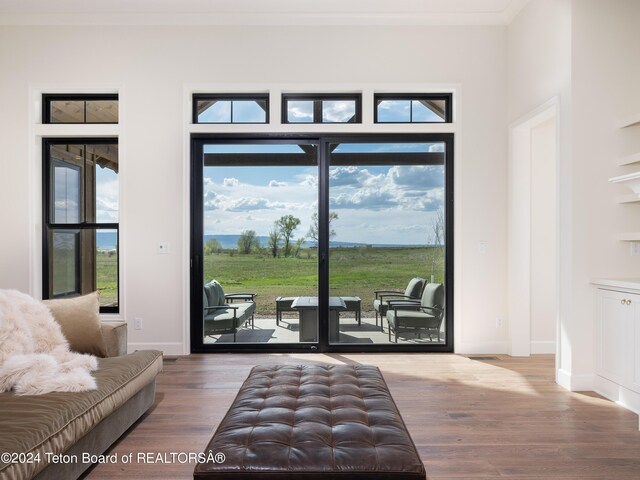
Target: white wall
column 151, row 66
column 544, row 285
column 584, row 52
column 605, row 78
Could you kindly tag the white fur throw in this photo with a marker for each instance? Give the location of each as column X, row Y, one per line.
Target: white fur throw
column 34, row 354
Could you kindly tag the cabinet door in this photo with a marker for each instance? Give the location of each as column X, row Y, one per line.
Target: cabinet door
column 612, row 335
column 635, row 336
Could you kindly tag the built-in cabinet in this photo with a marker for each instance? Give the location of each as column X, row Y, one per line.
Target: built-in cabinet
column 618, row 342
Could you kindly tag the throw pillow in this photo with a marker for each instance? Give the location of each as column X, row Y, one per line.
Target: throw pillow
column 80, row 322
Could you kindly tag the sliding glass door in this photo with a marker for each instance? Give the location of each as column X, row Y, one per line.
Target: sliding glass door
column 321, row 243
column 387, row 242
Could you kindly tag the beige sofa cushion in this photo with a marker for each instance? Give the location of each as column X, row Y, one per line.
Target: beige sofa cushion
column 80, row 322
column 115, row 338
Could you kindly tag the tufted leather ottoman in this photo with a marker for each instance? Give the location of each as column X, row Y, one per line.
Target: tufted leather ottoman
column 306, row 422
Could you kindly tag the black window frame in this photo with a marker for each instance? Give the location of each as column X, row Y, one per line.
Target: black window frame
column 262, row 97
column 447, row 97
column 324, row 141
column 317, row 99
column 47, row 216
column 47, row 98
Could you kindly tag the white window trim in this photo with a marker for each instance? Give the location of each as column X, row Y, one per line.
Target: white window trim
column 275, row 125
column 39, row 130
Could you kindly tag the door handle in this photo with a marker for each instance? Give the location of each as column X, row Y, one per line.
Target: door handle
column 628, row 302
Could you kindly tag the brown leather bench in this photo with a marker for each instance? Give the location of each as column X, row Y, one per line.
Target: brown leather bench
column 313, row 421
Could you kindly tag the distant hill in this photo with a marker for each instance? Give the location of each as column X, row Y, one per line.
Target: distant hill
column 108, row 241
column 231, row 241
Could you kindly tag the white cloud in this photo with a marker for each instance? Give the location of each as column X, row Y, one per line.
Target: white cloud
column 364, row 198
column 300, row 111
column 310, row 181
column 338, row 111
column 213, row 201
column 423, row 177
column 276, row 183
column 230, row 182
column 341, row 176
column 247, row 204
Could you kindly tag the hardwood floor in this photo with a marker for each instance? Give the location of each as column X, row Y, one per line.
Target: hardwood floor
column 498, row 418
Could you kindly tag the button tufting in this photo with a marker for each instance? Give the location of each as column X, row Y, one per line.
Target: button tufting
column 291, row 421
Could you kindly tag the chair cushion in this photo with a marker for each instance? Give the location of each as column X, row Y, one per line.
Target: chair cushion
column 412, row 319
column 433, row 295
column 242, row 311
column 79, row 318
column 414, row 289
column 380, row 305
column 219, row 292
column 211, row 295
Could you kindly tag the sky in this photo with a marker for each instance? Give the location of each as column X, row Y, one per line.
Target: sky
column 67, row 195
column 392, row 204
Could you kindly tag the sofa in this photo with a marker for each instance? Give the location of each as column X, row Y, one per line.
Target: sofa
column 226, row 312
column 34, row 429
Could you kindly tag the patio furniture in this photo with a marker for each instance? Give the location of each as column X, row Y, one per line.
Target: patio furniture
column 226, row 313
column 410, row 315
column 283, row 304
column 381, row 302
column 294, row 422
column 308, row 308
column 352, row 304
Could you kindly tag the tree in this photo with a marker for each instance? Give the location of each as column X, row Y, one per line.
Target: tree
column 313, row 229
column 437, row 226
column 298, row 246
column 247, row 242
column 286, row 225
column 212, row 246
column 273, row 244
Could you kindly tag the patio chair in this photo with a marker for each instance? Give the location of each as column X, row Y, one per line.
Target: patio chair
column 222, row 314
column 409, row 315
column 381, row 302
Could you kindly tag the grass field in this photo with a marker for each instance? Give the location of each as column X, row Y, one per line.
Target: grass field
column 353, row 272
column 107, row 277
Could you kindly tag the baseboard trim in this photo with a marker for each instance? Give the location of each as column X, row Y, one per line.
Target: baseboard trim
column 169, row 348
column 617, row 393
column 472, row 348
column 543, row 347
column 574, row 383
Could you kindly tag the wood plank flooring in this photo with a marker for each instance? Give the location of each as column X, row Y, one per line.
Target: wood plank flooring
column 470, row 419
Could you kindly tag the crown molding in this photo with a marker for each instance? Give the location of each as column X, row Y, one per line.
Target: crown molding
column 264, row 19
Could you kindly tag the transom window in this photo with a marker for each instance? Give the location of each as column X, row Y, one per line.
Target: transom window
column 322, row 108
column 412, row 108
column 74, row 108
column 231, row 108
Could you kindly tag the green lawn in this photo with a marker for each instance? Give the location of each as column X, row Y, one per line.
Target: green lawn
column 107, row 277
column 353, row 272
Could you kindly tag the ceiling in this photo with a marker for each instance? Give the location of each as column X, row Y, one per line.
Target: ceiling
column 259, row 12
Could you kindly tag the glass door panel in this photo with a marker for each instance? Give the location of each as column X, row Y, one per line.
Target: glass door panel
column 260, row 265
column 387, row 243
